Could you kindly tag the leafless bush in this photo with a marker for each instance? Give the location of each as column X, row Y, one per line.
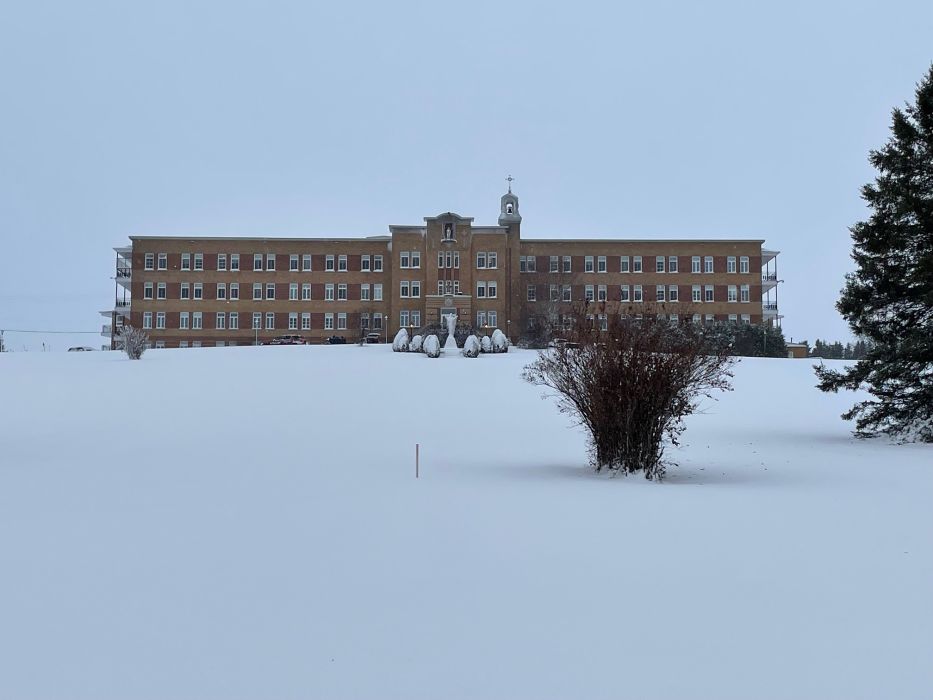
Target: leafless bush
column 631, row 381
column 133, row 341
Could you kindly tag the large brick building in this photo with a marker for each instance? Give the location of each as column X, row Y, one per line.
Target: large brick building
column 189, row 292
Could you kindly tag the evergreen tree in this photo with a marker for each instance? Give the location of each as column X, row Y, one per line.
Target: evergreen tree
column 888, row 300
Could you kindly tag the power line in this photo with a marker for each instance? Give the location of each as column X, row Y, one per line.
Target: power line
column 14, row 330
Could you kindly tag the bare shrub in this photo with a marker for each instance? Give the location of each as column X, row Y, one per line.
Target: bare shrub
column 631, row 382
column 133, row 341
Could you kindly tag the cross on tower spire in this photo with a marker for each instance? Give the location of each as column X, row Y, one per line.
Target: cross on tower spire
column 510, row 178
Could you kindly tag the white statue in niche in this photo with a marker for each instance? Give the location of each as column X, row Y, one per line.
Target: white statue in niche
column 451, row 343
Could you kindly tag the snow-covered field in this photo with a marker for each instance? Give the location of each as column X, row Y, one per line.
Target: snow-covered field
column 245, row 523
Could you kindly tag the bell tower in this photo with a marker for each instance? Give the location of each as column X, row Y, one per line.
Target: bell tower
column 508, row 207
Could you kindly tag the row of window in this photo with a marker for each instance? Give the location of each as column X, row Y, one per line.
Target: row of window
column 331, row 291
column 231, row 321
column 566, row 321
column 296, row 263
column 635, row 293
column 666, row 264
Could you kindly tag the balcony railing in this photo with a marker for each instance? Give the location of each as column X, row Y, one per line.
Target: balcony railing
column 769, row 307
column 124, row 272
column 106, row 330
column 769, row 278
column 124, row 303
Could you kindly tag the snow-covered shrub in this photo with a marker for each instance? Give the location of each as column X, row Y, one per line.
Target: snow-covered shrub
column 471, row 346
column 415, row 344
column 400, row 344
column 133, row 341
column 485, row 344
column 499, row 342
column 432, row 346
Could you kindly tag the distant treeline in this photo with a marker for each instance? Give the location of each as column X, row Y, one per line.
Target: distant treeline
column 838, row 351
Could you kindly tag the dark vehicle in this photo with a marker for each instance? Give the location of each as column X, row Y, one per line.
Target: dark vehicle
column 337, row 340
column 374, row 337
column 80, row 348
column 287, row 340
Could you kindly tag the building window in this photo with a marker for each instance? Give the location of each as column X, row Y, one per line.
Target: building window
column 674, row 319
column 220, row 321
column 624, row 264
column 234, row 321
column 403, row 318
column 566, row 292
column 491, row 290
column 532, row 293
column 403, row 289
column 160, row 320
column 163, row 261
column 659, row 263
column 328, row 322
column 480, row 290
column 293, row 321
column 492, row 260
column 199, row 261
column 480, row 261
column 601, row 263
column 492, row 319
column 341, row 292
column 257, row 261
column 235, row 262
column 659, row 293
column 695, row 264
column 553, row 263
column 305, row 263
column 221, row 292
column 732, row 293
column 638, row 296
column 195, row 343
column 672, row 263
column 696, row 294
column 710, row 319
column 270, row 321
column 365, row 263
column 198, row 290
column 733, row 318
column 305, row 321
column 746, row 319
column 415, row 259
column 150, row 261
column 377, row 321
column 708, row 293
column 328, row 292
column 234, row 291
column 636, row 264
column 696, row 318
column 554, row 292
column 403, row 260
column 293, row 291
column 377, row 292
column 480, row 318
column 730, row 264
column 222, row 262
column 147, row 290
column 257, row 291
column 329, row 263
column 708, row 264
column 305, row 292
column 364, row 292
column 377, row 263
column 185, row 291
column 744, row 291
column 589, row 292
column 160, row 291
column 416, row 288
column 416, row 318
column 186, row 261
column 183, row 320
column 342, row 263
column 257, row 320
column 270, row 290
column 625, row 293
column 196, row 321
column 743, row 264
column 567, row 263
column 589, row 264
column 672, row 293
column 183, row 343
column 270, row 262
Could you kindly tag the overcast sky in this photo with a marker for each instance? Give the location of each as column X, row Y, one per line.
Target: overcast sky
column 339, row 118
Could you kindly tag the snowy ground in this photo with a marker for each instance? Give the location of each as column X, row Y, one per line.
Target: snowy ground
column 245, row 523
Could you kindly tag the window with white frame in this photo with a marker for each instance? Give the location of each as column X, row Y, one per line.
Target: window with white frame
column 293, row 263
column 625, row 293
column 163, row 261
column 341, row 292
column 306, row 263
column 293, row 321
column 672, row 293
column 365, row 263
column 186, row 261
column 150, row 261
column 183, row 320
column 270, row 262
column 159, row 344
column 744, row 292
column 328, row 322
column 491, row 290
column 197, row 321
column 234, row 262
column 708, row 264
column 568, row 261
column 377, row 263
column 220, row 321
column 589, row 292
column 492, row 318
column 480, row 318
column 708, row 293
column 222, row 262
column 601, row 263
column 234, row 321
column 480, row 290
column 199, row 261
column 416, row 288
column 293, row 291
column 746, row 319
column 733, row 318
column 697, row 294
column 553, row 263
column 364, row 292
column 270, row 321
column 730, row 264
column 743, row 264
column 674, row 319
column 364, row 321
column 328, row 292
column 695, row 264
column 330, row 263
column 659, row 263
column 306, row 291
column 270, row 290
column 637, row 295
column 554, row 292
column 480, row 261
column 147, row 290
column 341, row 263
column 403, row 259
column 377, row 292
column 403, row 318
column 160, row 320
column 566, row 292
column 602, row 293
column 456, row 286
column 198, row 290
column 403, row 289
column 492, row 260
column 257, row 291
column 636, row 264
column 182, row 343
column 257, row 261
column 659, row 292
column 305, row 321
column 696, row 318
column 377, row 321
column 710, row 319
column 195, row 343
column 185, row 291
column 589, row 263
column 160, row 290
column 257, row 320
column 672, row 263
column 532, row 293
column 624, row 264
column 415, row 259
column 732, row 293
column 527, row 263
column 221, row 291
column 234, row 291
column 416, row 318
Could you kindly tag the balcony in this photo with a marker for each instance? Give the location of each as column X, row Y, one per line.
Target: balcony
column 769, row 309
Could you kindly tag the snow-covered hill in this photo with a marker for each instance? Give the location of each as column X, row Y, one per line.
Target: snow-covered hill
column 245, row 523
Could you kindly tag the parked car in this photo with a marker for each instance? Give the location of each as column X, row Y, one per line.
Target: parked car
column 337, row 340
column 374, row 337
column 80, row 348
column 287, row 340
